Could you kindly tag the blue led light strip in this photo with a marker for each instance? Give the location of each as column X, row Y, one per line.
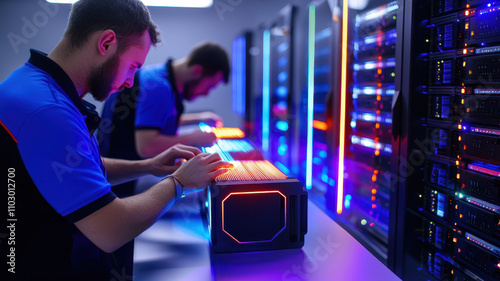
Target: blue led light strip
column 239, row 75
column 266, row 99
column 310, row 95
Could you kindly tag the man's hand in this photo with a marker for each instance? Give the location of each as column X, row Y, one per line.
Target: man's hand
column 165, row 163
column 200, row 171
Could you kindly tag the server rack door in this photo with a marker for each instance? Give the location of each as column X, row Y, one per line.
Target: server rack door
column 452, row 215
column 316, row 147
column 277, row 94
column 368, row 76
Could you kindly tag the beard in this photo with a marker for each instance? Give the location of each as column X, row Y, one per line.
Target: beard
column 189, row 87
column 101, row 78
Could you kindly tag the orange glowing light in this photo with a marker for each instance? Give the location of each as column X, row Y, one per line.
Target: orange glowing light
column 462, row 91
column 343, row 99
column 379, row 71
column 377, row 152
column 379, row 98
column 457, row 163
column 458, row 176
column 467, row 26
column 455, row 240
column 460, row 126
column 378, row 112
column 373, row 198
column 379, row 85
column 374, row 178
column 467, row 12
column 375, row 172
column 228, row 133
column 461, row 216
column 374, row 191
column 252, row 171
column 464, row 51
column 459, row 138
column 320, row 125
column 377, row 125
column 379, row 57
column 472, row 33
column 374, row 206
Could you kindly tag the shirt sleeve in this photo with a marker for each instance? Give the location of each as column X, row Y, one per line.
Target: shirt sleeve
column 63, row 161
column 156, row 102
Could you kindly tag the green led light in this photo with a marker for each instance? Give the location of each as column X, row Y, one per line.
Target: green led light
column 427, row 40
column 460, row 195
column 363, row 222
column 393, row 74
column 394, row 17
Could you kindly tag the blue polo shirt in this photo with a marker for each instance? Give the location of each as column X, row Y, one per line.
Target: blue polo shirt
column 157, row 104
column 47, row 137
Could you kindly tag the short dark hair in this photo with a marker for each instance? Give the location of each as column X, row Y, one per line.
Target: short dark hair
column 212, row 57
column 127, row 18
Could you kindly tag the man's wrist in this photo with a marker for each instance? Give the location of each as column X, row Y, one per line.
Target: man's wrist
column 180, row 190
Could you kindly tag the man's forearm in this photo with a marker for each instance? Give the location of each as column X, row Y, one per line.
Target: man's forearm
column 189, row 118
column 123, row 219
column 120, row 171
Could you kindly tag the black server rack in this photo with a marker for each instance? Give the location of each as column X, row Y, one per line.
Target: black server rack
column 452, row 211
column 315, row 114
column 363, row 199
column 242, row 102
column 277, row 94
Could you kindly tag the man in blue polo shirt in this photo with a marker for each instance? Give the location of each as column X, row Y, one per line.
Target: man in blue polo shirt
column 142, row 121
column 64, row 212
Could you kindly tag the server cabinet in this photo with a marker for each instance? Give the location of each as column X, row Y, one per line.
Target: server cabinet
column 452, row 215
column 362, row 201
column 315, row 114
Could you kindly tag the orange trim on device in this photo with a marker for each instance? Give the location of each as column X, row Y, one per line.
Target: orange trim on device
column 8, row 131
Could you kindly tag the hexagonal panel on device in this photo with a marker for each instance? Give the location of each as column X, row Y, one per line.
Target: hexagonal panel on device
column 245, row 219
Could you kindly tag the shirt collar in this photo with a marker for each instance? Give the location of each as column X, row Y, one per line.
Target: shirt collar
column 42, row 61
